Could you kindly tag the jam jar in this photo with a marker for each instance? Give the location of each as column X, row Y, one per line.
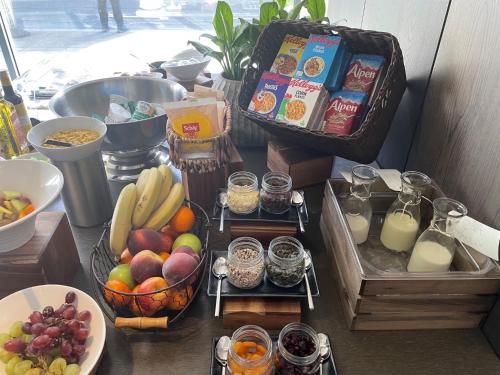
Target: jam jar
column 297, row 351
column 250, row 352
column 245, row 263
column 285, row 262
column 276, row 192
column 242, row 193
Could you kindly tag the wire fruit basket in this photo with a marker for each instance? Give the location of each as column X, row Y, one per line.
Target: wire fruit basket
column 156, row 309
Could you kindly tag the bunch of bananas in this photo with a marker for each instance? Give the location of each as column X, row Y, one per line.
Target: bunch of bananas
column 150, row 203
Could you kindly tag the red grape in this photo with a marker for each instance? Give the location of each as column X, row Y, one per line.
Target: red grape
column 82, row 334
column 48, row 311
column 84, row 315
column 36, row 317
column 49, row 321
column 74, row 325
column 78, row 349
column 72, row 358
column 53, row 332
column 41, row 342
column 66, row 349
column 26, row 328
column 38, row 328
column 15, row 345
column 69, row 313
column 70, row 297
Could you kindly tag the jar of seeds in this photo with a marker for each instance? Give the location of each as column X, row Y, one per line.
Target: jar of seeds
column 245, row 263
column 285, row 262
column 276, row 192
column 242, row 193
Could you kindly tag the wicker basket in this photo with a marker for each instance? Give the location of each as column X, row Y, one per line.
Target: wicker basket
column 220, row 144
column 364, row 144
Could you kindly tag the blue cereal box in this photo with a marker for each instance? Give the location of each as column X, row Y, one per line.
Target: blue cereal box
column 268, row 95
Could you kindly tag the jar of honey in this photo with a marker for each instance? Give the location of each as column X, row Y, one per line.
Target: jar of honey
column 250, row 352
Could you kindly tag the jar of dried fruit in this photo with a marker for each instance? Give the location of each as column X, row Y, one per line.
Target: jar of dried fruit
column 276, row 192
column 298, row 350
column 250, row 352
column 245, row 263
column 242, row 193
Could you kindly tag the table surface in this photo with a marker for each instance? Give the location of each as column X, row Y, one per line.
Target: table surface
column 184, row 349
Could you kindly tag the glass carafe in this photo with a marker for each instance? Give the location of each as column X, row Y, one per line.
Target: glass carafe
column 356, row 205
column 435, row 248
column 403, row 217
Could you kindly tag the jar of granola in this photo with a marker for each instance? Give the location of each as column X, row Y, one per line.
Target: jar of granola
column 245, row 263
column 242, row 193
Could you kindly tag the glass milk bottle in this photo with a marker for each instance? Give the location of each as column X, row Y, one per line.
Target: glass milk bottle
column 435, row 248
column 356, row 205
column 403, row 217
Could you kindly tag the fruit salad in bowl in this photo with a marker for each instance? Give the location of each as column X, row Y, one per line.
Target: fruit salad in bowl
column 13, row 206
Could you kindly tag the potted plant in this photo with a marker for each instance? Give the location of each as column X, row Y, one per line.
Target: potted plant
column 232, row 46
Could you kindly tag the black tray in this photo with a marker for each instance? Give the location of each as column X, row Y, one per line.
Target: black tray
column 329, row 367
column 260, row 215
column 265, row 289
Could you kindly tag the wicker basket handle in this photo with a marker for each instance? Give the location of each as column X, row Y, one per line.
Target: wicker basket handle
column 141, row 322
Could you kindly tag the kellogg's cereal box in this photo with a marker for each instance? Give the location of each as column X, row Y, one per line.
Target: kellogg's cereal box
column 289, row 55
column 302, row 102
column 362, row 73
column 320, row 57
column 345, row 111
column 268, row 95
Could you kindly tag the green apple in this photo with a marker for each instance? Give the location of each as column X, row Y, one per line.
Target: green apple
column 123, row 274
column 190, row 240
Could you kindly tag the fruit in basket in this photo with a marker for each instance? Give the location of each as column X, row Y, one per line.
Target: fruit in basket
column 147, row 200
column 189, row 240
column 147, row 239
column 116, row 299
column 121, row 223
column 134, row 307
column 183, row 220
column 125, row 257
column 164, row 255
column 123, row 273
column 178, row 267
column 180, row 298
column 167, row 209
column 166, row 184
column 141, row 181
column 187, row 250
column 167, row 230
column 146, row 264
column 152, row 303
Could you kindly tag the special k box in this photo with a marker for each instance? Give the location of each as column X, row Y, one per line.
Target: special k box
column 302, row 102
column 344, row 112
column 362, row 73
column 268, row 95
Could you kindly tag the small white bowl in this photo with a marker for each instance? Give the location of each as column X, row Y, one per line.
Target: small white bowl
column 19, row 305
column 41, row 182
column 186, row 73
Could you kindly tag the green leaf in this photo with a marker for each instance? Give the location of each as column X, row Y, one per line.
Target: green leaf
column 241, row 33
column 281, row 4
column 223, row 22
column 295, row 12
column 213, row 39
column 267, row 12
column 316, row 9
column 282, row 14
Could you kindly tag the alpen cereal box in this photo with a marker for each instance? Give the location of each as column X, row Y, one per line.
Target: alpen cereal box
column 345, row 111
column 362, row 73
column 268, row 95
column 289, row 55
column 301, row 103
column 321, row 54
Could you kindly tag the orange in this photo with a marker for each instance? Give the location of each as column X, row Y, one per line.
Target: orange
column 183, row 220
column 116, row 299
column 164, row 255
column 126, row 257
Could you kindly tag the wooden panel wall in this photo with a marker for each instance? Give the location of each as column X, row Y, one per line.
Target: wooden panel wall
column 458, row 142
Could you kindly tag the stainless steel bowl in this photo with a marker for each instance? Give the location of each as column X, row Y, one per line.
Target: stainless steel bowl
column 92, row 97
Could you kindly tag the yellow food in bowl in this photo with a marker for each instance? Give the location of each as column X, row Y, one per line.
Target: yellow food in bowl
column 73, row 136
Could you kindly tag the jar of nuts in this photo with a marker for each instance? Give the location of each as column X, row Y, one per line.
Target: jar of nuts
column 276, row 192
column 242, row 193
column 245, row 263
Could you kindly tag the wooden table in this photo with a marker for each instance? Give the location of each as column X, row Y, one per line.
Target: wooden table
column 185, row 348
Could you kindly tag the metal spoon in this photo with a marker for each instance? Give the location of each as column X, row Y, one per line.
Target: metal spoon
column 221, row 350
column 223, row 205
column 297, row 201
column 219, row 269
column 308, row 265
column 324, row 349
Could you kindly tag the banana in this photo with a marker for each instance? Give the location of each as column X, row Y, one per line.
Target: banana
column 121, row 223
column 167, row 209
column 166, row 186
column 141, row 181
column 147, row 200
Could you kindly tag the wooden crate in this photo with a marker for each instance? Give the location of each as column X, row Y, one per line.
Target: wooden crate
column 378, row 301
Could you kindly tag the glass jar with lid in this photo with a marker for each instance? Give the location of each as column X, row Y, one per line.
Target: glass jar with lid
column 250, row 352
column 242, row 193
column 276, row 192
column 435, row 248
column 245, row 263
column 298, row 350
column 285, row 262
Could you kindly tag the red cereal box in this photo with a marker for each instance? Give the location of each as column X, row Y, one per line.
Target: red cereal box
column 362, row 73
column 344, row 112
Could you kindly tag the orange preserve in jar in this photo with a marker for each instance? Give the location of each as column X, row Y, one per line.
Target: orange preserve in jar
column 250, row 352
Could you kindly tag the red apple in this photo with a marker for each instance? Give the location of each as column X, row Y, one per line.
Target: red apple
column 146, row 264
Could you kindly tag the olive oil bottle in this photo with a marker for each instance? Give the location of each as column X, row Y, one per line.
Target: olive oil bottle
column 17, row 100
column 12, row 139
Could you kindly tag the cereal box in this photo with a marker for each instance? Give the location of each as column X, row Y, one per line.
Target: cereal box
column 320, row 57
column 268, row 95
column 339, row 71
column 362, row 73
column 345, row 111
column 289, row 55
column 301, row 103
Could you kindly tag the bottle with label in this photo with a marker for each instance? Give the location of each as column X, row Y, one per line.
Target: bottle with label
column 356, row 205
column 402, row 220
column 12, row 140
column 435, row 248
column 17, row 100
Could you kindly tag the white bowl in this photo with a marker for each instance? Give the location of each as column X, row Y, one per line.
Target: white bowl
column 41, row 182
column 186, row 72
column 19, row 305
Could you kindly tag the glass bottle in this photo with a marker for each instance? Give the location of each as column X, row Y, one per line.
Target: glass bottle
column 403, row 217
column 17, row 101
column 276, row 192
column 242, row 193
column 12, row 139
column 435, row 248
column 245, row 341
column 356, row 205
column 245, row 263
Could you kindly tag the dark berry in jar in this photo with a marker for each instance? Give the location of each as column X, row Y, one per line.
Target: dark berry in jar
column 299, row 344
